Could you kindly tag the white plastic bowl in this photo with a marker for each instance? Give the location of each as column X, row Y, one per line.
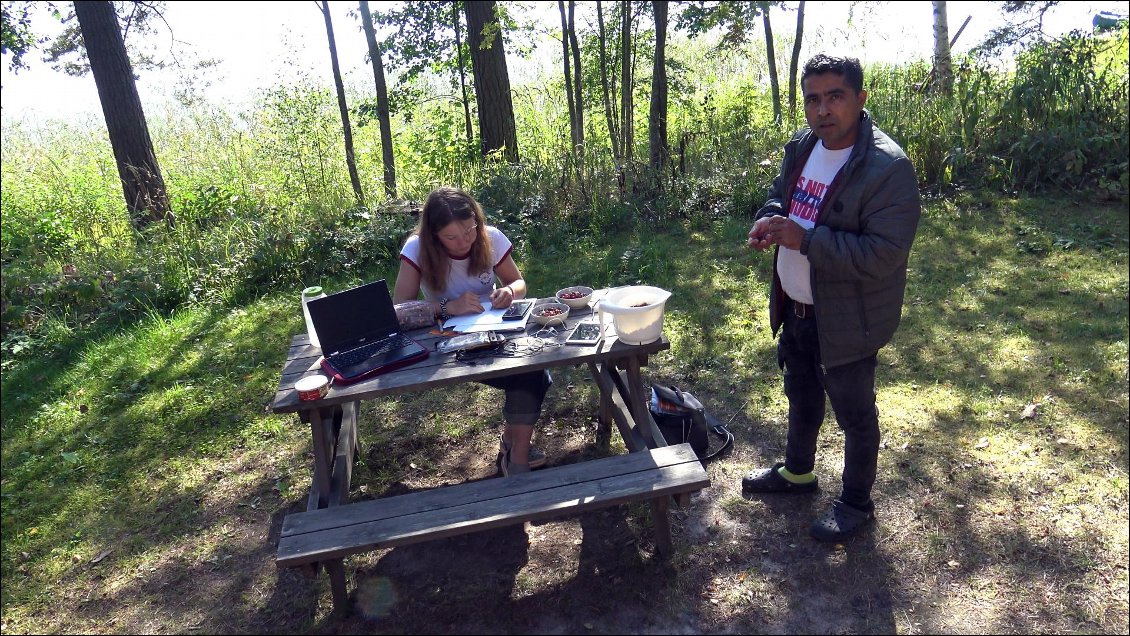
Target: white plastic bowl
column 576, row 303
column 637, row 312
column 538, row 316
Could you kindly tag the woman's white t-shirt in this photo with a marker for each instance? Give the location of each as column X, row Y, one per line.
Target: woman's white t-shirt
column 459, row 280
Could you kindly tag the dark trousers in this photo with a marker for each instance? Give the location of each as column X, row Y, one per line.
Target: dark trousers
column 851, row 390
column 525, row 393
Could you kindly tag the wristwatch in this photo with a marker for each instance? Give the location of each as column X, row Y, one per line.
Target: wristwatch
column 443, row 309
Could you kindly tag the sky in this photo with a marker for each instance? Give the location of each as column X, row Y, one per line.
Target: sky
column 259, row 44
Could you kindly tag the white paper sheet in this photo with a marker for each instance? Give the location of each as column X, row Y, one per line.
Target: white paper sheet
column 489, row 320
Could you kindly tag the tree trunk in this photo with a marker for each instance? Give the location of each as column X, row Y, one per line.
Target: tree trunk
column 455, row 21
column 142, row 184
column 657, row 124
column 794, row 62
column 349, row 158
column 382, row 101
column 565, row 59
column 943, row 63
column 492, row 82
column 771, row 59
column 578, row 95
column 613, row 131
column 627, row 140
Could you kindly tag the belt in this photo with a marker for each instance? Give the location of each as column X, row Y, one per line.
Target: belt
column 801, row 310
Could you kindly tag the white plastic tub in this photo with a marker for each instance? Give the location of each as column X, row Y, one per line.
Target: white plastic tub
column 637, row 312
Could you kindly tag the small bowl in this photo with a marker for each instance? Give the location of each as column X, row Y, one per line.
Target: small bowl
column 558, row 313
column 580, row 302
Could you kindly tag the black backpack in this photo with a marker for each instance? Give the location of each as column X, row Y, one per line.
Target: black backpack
column 682, row 418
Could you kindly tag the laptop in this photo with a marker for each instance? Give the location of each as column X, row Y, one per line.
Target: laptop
column 360, row 334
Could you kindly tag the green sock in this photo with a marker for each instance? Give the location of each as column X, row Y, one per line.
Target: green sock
column 796, row 479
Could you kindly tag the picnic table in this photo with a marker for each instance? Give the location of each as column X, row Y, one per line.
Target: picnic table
column 331, row 527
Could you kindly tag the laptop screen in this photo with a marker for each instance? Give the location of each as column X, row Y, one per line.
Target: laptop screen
column 354, row 317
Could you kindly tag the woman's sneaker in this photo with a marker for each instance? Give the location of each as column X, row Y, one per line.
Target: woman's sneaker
column 536, row 456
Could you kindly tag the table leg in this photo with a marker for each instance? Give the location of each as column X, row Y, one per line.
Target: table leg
column 344, row 452
column 637, row 402
column 606, row 378
column 334, row 433
column 336, row 569
column 659, row 519
column 604, row 415
column 322, row 434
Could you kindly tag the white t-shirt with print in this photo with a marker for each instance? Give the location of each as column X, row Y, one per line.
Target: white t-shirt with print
column 459, row 280
column 821, row 169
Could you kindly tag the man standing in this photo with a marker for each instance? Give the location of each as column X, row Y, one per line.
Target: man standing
column 842, row 212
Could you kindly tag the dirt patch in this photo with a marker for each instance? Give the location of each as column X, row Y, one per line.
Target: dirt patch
column 599, row 573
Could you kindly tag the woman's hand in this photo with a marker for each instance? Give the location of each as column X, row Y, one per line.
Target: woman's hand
column 468, row 303
column 513, row 286
column 502, row 297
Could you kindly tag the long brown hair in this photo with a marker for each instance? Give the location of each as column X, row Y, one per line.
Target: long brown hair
column 444, row 205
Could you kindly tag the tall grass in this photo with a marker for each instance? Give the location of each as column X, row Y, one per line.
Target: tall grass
column 263, row 199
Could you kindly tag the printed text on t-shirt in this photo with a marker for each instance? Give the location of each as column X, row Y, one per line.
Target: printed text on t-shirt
column 807, row 198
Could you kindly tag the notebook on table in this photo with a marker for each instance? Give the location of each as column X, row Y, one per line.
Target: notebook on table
column 360, row 335
column 492, row 319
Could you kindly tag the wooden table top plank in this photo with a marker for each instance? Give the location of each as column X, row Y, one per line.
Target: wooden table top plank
column 439, row 370
column 482, row 515
column 486, row 490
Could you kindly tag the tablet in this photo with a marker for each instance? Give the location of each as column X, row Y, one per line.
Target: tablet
column 585, row 333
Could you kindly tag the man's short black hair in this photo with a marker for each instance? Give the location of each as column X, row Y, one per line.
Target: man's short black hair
column 848, row 68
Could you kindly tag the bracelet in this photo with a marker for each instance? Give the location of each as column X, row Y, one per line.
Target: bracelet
column 443, row 309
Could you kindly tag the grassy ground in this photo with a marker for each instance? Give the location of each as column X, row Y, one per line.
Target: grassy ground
column 144, row 483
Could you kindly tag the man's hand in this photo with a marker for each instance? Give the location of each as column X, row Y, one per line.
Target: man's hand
column 775, row 230
column 785, row 232
column 759, row 237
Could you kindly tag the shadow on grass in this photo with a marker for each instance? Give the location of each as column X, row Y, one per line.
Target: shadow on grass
column 174, row 468
column 122, row 415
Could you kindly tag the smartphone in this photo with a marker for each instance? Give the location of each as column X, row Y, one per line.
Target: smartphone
column 517, row 309
column 585, row 333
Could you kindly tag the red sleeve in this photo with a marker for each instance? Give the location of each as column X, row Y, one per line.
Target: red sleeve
column 511, row 249
column 409, row 261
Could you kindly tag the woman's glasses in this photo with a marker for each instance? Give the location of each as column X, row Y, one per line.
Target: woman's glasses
column 466, row 234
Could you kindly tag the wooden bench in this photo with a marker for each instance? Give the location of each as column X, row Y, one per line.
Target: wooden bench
column 329, row 534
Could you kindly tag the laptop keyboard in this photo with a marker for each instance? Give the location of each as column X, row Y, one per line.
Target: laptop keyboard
column 364, row 352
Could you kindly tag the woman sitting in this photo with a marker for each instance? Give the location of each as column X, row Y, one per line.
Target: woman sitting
column 453, row 258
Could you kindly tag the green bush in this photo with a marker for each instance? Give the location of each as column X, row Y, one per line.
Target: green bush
column 263, row 199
